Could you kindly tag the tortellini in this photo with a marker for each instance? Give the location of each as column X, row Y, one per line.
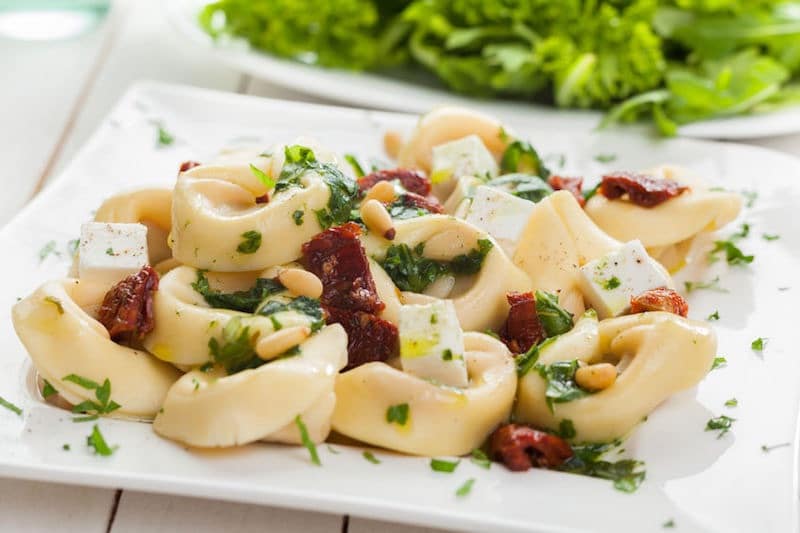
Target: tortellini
column 480, row 300
column 211, row 409
column 440, row 420
column 558, row 239
column 184, row 321
column 657, row 355
column 667, row 230
column 63, row 339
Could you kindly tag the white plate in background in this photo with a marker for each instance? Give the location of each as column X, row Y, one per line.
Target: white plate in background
column 365, row 89
column 701, row 482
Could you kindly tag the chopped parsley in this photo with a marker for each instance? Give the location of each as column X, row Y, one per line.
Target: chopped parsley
column 758, row 344
column 767, row 449
column 306, row 440
column 358, row 170
column 369, row 456
column 721, row 423
column 733, row 255
column 561, row 386
column 251, row 242
column 401, row 209
column 56, row 302
column 47, row 250
column 479, row 457
column 440, row 465
column 164, row 138
column 520, row 156
column 566, row 429
column 235, row 351
column 733, row 402
column 626, row 474
column 304, row 305
column 668, row 524
column 65, row 447
column 244, row 301
column 447, row 355
column 110, row 251
column 411, row 271
column 466, row 488
column 48, row 389
column 397, row 414
column 719, row 362
column 262, row 176
column 297, row 216
column 554, row 318
column 713, row 316
column 611, row 283
column 92, row 409
column 712, row 285
column 72, row 247
column 526, row 361
column 98, row 443
column 770, row 236
column 750, row 197
column 744, row 232
column 343, row 189
column 526, row 186
column 605, row 158
column 10, row 406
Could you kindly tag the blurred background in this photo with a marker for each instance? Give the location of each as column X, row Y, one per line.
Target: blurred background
column 66, row 62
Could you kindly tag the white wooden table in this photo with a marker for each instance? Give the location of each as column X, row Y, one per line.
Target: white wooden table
column 53, row 95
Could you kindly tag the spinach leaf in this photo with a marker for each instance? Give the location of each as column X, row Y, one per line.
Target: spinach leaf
column 561, row 386
column 527, row 186
column 554, row 318
column 244, row 301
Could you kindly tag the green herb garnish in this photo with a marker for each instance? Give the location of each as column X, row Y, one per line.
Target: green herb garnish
column 480, row 458
column 104, row 404
column 566, row 429
column 626, row 474
column 668, row 524
column 526, row 186
column 10, row 406
column 411, row 271
column 712, row 285
column 48, row 249
column 297, row 216
column 733, row 402
column 561, row 386
column 767, row 449
column 251, row 242
column 721, row 423
column 713, row 316
column 520, row 156
column 440, row 465
column 235, row 351
column 719, row 362
column 262, row 176
column 526, row 361
column 164, row 138
column 733, row 255
column 306, row 440
column 770, row 236
column 610, row 283
column 605, row 158
column 369, row 456
column 98, row 443
column 48, row 390
column 356, row 166
column 397, row 414
column 758, row 344
column 466, row 488
column 555, row 319
column 244, row 301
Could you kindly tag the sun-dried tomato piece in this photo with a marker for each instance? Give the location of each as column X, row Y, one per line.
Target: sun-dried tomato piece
column 369, row 338
column 412, row 180
column 643, row 190
column 568, row 183
column 523, row 328
column 263, row 199
column 428, row 203
column 520, row 448
column 661, row 299
column 186, row 165
column 127, row 308
column 337, row 258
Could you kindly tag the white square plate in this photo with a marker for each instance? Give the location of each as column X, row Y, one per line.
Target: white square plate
column 700, row 482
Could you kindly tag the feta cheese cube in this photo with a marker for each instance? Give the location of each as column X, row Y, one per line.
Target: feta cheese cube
column 108, row 252
column 463, row 157
column 501, row 215
column 608, row 283
column 432, row 343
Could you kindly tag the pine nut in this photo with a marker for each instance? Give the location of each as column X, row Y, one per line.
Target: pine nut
column 377, row 219
column 301, row 282
column 392, row 142
column 596, row 377
column 279, row 342
column 383, row 191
